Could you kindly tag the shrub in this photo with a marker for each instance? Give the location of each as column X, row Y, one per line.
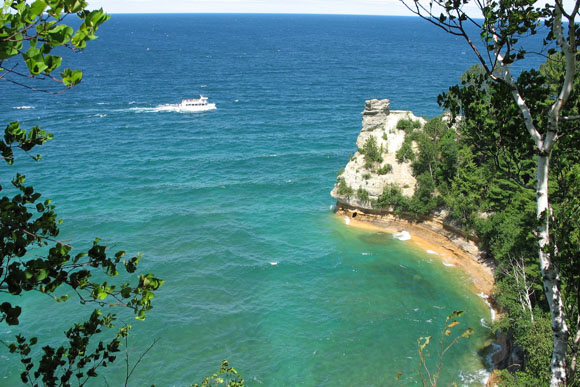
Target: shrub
column 405, row 153
column 408, row 124
column 362, row 194
column 392, row 197
column 387, row 168
column 344, row 189
column 371, row 152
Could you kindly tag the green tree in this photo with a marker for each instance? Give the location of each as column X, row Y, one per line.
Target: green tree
column 32, row 259
column 502, row 25
column 372, row 153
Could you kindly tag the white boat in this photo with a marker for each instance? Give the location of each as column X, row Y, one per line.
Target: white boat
column 196, row 105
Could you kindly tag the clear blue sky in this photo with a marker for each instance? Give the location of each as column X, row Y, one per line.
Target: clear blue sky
column 364, row 7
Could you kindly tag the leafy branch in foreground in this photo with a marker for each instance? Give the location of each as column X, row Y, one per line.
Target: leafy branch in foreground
column 31, row 32
column 226, row 376
column 431, row 377
column 32, row 258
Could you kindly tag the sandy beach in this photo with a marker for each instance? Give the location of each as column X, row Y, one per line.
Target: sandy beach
column 453, row 250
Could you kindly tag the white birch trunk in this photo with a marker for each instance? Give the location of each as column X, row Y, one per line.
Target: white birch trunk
column 575, row 347
column 550, row 275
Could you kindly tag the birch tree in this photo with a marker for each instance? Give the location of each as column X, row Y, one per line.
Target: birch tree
column 494, row 30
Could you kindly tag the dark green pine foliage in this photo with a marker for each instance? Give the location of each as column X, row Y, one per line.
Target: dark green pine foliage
column 479, row 165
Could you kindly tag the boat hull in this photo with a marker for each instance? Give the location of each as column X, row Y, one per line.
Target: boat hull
column 209, row 106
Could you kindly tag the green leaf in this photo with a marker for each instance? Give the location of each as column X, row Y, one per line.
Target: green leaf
column 37, row 8
column 71, row 77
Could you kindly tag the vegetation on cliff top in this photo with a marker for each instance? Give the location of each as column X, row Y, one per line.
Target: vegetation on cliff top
column 540, row 110
column 487, row 188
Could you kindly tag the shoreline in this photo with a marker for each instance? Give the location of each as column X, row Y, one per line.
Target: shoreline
column 437, row 240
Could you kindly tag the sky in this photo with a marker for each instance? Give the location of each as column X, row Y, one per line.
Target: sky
column 353, row 7
column 348, row 7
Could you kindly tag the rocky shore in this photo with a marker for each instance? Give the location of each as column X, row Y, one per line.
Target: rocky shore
column 439, row 238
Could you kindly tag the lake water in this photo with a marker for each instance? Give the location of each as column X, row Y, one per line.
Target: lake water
column 232, row 207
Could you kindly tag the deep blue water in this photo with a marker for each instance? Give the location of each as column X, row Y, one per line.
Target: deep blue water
column 212, row 199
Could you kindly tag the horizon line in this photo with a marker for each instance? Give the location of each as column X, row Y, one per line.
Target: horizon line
column 255, row 13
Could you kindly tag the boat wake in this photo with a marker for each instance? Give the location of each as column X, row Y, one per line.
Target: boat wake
column 157, row 109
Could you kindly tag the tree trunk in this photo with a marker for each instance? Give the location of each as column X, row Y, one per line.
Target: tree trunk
column 575, row 348
column 550, row 275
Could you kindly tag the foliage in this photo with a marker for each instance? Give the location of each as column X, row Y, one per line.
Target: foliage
column 385, row 169
column 393, row 198
column 408, row 124
column 481, row 169
column 405, row 152
column 32, row 259
column 226, row 376
column 344, row 189
column 536, row 341
column 372, row 153
column 30, row 32
column 362, row 194
column 430, row 377
column 540, row 101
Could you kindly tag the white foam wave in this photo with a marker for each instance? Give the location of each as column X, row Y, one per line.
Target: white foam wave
column 484, row 323
column 274, row 263
column 447, row 264
column 366, row 253
column 157, row 109
column 402, row 236
column 332, row 207
column 100, row 115
column 491, row 310
column 24, row 107
column 474, row 377
column 346, row 220
column 101, row 103
column 432, row 252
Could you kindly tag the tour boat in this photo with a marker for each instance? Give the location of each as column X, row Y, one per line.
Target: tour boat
column 196, row 105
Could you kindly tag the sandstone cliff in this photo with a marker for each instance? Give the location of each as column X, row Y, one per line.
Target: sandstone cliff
column 362, row 182
column 381, row 123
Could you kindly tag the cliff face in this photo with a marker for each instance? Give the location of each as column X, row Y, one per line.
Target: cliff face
column 381, row 123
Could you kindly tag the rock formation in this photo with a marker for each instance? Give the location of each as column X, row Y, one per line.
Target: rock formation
column 381, row 123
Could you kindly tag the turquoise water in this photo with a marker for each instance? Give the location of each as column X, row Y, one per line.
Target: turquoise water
column 232, row 207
